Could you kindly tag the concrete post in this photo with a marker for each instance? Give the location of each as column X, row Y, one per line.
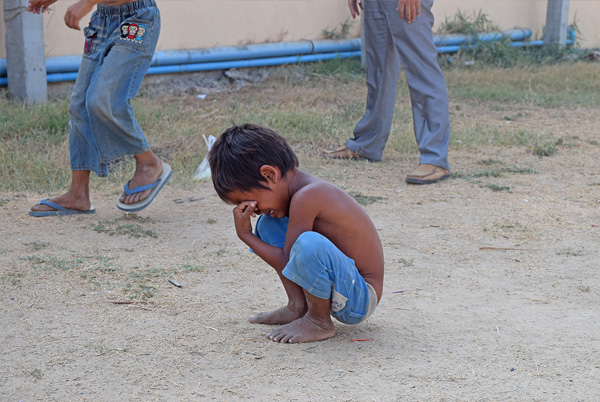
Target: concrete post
column 25, row 61
column 557, row 16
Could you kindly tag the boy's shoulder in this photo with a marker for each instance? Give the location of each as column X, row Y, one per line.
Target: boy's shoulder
column 321, row 193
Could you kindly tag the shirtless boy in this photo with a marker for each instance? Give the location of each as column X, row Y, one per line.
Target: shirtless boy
column 319, row 240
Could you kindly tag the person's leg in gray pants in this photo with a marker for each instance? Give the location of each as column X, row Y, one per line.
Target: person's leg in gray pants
column 391, row 43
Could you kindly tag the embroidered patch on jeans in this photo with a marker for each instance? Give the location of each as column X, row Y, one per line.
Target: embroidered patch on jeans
column 133, row 32
column 88, row 44
column 338, row 301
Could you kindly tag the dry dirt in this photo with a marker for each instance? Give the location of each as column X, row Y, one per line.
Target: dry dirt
column 488, row 295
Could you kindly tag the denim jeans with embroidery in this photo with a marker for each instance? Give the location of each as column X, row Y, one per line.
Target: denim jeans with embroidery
column 118, row 50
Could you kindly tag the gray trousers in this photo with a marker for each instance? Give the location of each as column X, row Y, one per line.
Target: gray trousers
column 391, row 43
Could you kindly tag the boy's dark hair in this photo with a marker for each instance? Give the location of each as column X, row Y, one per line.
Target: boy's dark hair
column 238, row 154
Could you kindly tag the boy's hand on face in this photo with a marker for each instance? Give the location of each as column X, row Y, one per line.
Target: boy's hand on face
column 241, row 217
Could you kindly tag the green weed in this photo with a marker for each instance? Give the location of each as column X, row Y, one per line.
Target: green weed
column 495, row 187
column 187, row 267
column 13, row 278
column 141, row 291
column 496, row 172
column 364, row 199
column 542, row 150
column 37, row 374
column 335, row 34
column 53, row 263
column 571, row 252
column 36, row 245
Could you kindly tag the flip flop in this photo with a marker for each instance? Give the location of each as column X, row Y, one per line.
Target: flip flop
column 58, row 210
column 156, row 187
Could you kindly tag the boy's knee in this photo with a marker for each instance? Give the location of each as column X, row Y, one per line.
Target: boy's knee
column 271, row 230
column 305, row 251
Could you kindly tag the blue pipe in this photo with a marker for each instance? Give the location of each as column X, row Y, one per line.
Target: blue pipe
column 262, row 51
column 454, row 40
column 65, row 64
column 532, row 43
column 183, row 68
column 177, row 61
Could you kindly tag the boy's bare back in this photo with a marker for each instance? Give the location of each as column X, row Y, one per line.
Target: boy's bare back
column 317, row 205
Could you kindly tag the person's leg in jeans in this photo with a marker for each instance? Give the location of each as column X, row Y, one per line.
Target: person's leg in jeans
column 123, row 68
column 102, row 126
column 83, row 149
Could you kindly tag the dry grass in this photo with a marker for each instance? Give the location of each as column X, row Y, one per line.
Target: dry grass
column 315, row 106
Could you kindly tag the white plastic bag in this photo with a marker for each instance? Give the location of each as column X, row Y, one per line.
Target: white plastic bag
column 203, row 171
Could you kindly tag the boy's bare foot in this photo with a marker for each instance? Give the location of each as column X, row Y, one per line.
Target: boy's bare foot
column 66, row 201
column 304, row 329
column 145, row 173
column 282, row 315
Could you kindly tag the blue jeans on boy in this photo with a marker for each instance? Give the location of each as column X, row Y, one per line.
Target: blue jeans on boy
column 118, row 50
column 321, row 269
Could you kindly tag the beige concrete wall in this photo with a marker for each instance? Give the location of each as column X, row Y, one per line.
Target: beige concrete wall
column 208, row 23
column 189, row 24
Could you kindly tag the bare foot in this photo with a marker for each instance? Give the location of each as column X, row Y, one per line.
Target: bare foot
column 66, row 201
column 304, row 329
column 144, row 174
column 282, row 315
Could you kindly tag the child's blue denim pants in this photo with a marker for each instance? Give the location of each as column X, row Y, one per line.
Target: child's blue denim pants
column 118, row 50
column 321, row 269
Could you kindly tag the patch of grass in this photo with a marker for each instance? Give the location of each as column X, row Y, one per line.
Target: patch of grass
column 54, row 263
column 489, row 162
column 314, row 105
column 139, row 291
column 37, row 374
column 122, row 227
column 463, row 23
column 495, row 187
column 571, row 252
column 583, row 288
column 542, row 150
column 499, row 52
column 187, row 267
column 13, row 278
column 3, row 201
column 36, row 245
column 407, row 262
column 223, row 250
column 364, row 199
column 496, row 172
column 566, row 84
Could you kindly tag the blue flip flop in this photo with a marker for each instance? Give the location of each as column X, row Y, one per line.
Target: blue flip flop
column 58, row 210
column 156, row 187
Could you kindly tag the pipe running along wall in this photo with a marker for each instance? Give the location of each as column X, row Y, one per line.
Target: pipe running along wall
column 65, row 68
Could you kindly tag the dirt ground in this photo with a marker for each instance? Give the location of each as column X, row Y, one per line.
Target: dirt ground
column 491, row 290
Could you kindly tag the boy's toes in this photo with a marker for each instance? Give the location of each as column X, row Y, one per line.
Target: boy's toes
column 275, row 336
